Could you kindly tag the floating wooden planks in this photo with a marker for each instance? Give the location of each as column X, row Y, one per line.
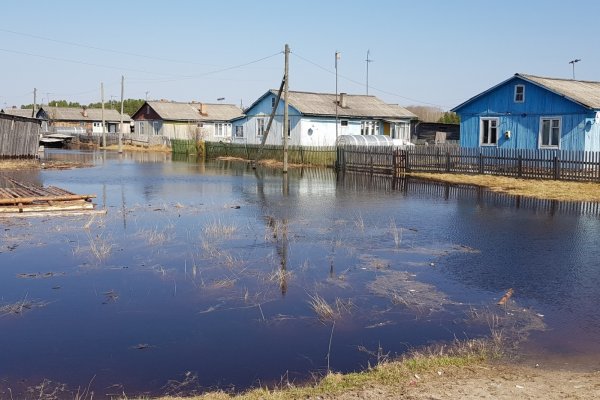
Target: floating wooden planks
column 17, row 197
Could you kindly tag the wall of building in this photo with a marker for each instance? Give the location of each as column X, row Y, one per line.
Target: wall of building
column 523, row 119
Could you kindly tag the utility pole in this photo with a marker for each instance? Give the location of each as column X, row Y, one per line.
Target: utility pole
column 102, row 99
column 121, row 124
column 34, row 102
column 147, row 94
column 285, row 109
column 368, row 60
column 337, row 57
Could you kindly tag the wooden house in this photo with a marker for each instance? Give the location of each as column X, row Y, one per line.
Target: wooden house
column 312, row 119
column 172, row 120
column 532, row 112
column 83, row 120
column 19, row 112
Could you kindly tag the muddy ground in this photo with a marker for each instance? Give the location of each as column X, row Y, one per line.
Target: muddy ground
column 487, row 382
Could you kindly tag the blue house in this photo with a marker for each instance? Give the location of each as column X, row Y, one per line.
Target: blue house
column 318, row 119
column 532, row 112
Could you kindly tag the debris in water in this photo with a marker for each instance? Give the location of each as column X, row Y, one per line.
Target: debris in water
column 506, row 297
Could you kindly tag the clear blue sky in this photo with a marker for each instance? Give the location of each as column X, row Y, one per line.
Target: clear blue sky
column 424, row 52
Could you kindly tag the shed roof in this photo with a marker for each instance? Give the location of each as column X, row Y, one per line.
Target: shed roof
column 19, row 112
column 324, row 104
column 77, row 114
column 586, row 93
column 173, row 111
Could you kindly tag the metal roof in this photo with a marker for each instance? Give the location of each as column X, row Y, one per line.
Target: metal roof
column 586, row 93
column 77, row 114
column 172, row 111
column 323, row 104
column 19, row 112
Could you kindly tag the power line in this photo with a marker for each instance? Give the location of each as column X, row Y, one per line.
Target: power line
column 361, row 84
column 101, row 48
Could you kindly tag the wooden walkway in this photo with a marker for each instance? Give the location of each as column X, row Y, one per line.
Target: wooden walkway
column 16, row 197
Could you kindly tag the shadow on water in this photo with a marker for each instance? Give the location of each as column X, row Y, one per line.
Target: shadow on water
column 214, row 274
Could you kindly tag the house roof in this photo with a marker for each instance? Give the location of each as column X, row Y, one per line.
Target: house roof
column 77, row 114
column 586, row 93
column 19, row 112
column 323, row 104
column 172, row 111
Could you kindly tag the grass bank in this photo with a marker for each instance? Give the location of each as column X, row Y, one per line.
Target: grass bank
column 540, row 189
column 392, row 377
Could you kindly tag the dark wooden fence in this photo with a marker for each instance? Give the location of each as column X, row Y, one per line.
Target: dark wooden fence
column 19, row 136
column 544, row 164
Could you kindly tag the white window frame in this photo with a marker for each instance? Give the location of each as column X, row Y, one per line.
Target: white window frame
column 517, row 100
column 260, row 126
column 540, row 136
column 481, row 127
column 220, row 130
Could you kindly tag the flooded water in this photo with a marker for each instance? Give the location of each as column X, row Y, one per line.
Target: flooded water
column 206, row 275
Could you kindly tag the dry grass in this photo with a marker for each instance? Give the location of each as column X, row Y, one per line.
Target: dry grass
column 540, row 189
column 128, row 147
column 329, row 312
column 19, row 164
column 218, row 230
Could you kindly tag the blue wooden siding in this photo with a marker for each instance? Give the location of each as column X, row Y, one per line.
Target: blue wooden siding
column 523, row 119
column 263, row 109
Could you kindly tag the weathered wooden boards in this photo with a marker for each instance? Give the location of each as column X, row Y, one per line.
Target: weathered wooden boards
column 20, row 198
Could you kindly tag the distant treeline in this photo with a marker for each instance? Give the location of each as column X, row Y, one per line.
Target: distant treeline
column 434, row 114
column 130, row 106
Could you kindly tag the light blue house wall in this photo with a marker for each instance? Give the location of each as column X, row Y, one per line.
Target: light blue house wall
column 580, row 129
column 263, row 109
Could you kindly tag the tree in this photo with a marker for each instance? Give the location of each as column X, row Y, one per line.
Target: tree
column 449, row 117
column 130, row 106
column 426, row 113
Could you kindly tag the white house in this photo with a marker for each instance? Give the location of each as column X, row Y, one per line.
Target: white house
column 172, row 120
column 312, row 119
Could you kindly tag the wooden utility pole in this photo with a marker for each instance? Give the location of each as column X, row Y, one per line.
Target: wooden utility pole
column 102, row 100
column 285, row 109
column 266, row 132
column 121, row 125
column 34, row 102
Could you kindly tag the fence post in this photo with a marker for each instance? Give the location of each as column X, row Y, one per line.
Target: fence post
column 520, row 166
column 481, row 162
column 556, row 168
column 406, row 163
column 447, row 161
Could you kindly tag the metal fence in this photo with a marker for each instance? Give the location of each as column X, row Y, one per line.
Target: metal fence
column 544, row 164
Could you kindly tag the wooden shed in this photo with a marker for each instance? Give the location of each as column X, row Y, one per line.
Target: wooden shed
column 19, row 136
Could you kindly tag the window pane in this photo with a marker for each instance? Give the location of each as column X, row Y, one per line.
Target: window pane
column 485, row 127
column 555, row 135
column 493, row 133
column 545, row 132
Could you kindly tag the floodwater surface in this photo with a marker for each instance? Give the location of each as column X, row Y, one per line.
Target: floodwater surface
column 215, row 275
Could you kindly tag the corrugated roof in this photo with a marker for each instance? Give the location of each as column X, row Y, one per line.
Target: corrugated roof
column 172, row 111
column 586, row 93
column 19, row 112
column 77, row 114
column 356, row 105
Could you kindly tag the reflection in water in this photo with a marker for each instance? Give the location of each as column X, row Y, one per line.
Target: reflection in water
column 209, row 267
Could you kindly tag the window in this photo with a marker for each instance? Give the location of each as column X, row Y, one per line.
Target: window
column 141, row 128
column 401, row 130
column 369, row 128
column 344, row 123
column 550, row 132
column 239, row 131
column 260, row 126
column 488, row 135
column 219, row 130
column 272, row 102
column 519, row 93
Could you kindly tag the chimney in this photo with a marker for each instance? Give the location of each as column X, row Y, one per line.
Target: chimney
column 343, row 100
column 84, row 112
column 202, row 109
